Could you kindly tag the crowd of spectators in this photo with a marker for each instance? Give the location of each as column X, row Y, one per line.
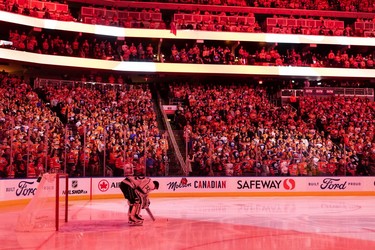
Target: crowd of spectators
column 91, row 130
column 27, row 126
column 122, row 50
column 271, row 56
column 119, row 123
column 81, row 46
column 82, row 130
column 234, row 130
column 213, row 24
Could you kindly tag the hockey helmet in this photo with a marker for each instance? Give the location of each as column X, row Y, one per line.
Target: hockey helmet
column 156, row 183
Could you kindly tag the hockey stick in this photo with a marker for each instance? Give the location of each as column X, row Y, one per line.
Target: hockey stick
column 150, row 214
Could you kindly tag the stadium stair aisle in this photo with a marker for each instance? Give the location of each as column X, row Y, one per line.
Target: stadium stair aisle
column 174, row 166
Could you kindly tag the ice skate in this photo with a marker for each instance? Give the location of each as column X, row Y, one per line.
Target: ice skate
column 139, row 217
column 133, row 216
column 135, row 222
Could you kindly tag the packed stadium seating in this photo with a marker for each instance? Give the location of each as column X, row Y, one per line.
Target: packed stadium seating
column 81, row 130
column 119, row 50
column 235, row 130
column 100, row 127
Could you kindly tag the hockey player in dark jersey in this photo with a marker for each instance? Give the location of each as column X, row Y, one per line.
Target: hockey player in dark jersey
column 136, row 190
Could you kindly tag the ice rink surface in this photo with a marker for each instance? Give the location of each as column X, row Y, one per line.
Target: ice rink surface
column 207, row 223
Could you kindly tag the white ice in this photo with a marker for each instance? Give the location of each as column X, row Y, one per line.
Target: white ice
column 207, row 223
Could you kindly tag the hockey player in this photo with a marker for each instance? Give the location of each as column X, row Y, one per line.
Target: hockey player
column 136, row 190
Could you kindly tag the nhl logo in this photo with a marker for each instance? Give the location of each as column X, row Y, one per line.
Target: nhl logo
column 74, row 184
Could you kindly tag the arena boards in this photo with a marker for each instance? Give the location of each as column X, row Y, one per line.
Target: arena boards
column 20, row 191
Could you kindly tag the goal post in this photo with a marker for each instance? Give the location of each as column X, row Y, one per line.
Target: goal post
column 64, row 199
column 48, row 209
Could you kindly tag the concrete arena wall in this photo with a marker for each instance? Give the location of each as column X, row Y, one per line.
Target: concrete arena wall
column 20, row 191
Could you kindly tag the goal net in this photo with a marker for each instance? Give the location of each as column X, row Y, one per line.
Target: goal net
column 48, row 209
